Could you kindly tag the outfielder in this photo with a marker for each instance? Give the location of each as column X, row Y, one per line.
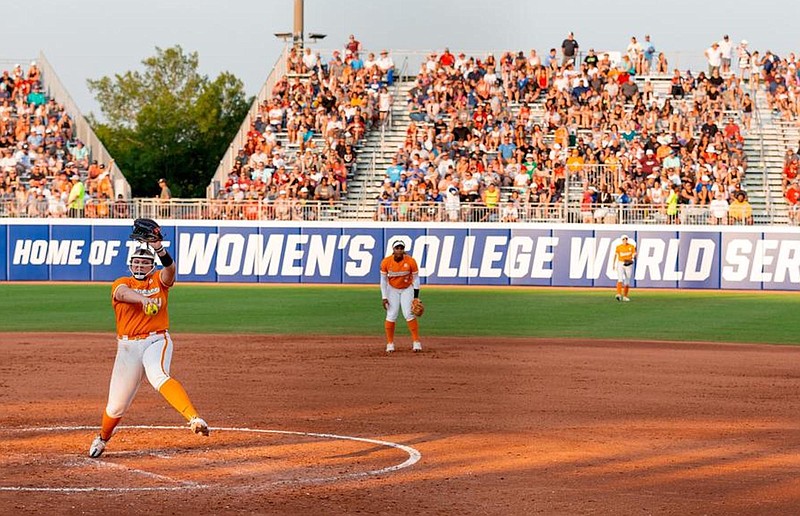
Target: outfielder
column 144, row 346
column 624, row 256
column 400, row 291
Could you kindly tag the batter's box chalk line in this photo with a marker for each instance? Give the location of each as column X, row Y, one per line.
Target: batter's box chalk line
column 413, row 457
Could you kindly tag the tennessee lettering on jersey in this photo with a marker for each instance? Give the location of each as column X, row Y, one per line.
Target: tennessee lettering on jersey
column 131, row 319
column 399, row 274
column 625, row 252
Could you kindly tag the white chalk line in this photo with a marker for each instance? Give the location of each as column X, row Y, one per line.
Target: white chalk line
column 413, row 457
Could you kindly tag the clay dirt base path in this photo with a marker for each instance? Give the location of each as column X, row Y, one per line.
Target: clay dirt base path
column 502, row 426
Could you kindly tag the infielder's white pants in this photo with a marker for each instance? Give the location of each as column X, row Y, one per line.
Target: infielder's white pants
column 399, row 299
column 151, row 356
column 624, row 273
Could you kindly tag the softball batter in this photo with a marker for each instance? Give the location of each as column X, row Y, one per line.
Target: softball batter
column 144, row 346
column 624, row 256
column 399, row 289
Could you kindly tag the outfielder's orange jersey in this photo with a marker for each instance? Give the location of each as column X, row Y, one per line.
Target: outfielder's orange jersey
column 131, row 319
column 399, row 274
column 625, row 252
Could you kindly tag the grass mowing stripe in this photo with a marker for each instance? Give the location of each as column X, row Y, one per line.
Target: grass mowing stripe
column 482, row 312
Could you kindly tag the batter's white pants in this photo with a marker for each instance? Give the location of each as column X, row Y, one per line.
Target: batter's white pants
column 399, row 299
column 151, row 356
column 624, row 273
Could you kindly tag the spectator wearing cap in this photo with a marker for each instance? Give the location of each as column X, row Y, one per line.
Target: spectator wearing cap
column 569, row 49
column 713, row 57
column 77, row 197
column 649, row 52
column 104, row 186
column 447, row 60
column 386, row 66
column 745, row 60
column 726, row 52
column 702, row 190
column 164, row 196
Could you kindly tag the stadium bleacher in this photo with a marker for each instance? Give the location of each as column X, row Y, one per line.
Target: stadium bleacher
column 349, row 136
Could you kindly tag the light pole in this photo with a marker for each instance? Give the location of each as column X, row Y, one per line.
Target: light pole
column 296, row 36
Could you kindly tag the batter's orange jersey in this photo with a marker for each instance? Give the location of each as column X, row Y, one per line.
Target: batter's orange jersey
column 399, row 274
column 625, row 252
column 131, row 319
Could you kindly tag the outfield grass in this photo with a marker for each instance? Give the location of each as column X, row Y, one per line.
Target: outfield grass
column 517, row 312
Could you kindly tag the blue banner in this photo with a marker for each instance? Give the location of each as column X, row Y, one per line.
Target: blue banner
column 448, row 254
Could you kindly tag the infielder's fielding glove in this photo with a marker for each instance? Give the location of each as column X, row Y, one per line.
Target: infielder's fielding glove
column 417, row 308
column 146, row 230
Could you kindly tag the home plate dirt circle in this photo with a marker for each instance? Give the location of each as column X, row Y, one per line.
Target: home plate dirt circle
column 170, row 458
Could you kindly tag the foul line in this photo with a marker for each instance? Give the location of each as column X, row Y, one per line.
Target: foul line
column 413, row 457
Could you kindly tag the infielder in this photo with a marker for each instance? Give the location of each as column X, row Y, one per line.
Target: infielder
column 144, row 346
column 624, row 256
column 400, row 291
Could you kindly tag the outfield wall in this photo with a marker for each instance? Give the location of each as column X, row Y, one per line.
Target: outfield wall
column 705, row 257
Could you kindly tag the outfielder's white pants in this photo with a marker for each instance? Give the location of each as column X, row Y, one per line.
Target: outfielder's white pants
column 151, row 356
column 399, row 299
column 624, row 273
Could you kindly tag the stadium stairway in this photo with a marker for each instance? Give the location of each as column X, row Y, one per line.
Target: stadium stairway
column 764, row 188
column 375, row 155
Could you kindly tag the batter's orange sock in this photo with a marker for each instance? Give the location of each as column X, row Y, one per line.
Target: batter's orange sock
column 413, row 325
column 108, row 425
column 389, row 325
column 619, row 289
column 627, row 289
column 174, row 393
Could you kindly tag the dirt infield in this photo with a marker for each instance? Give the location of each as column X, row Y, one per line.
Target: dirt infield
column 499, row 426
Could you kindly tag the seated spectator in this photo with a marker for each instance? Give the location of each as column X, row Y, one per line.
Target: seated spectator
column 740, row 211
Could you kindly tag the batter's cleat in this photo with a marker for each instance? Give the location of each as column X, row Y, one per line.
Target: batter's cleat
column 417, row 347
column 626, row 299
column 199, row 426
column 618, row 297
column 390, row 347
column 97, row 448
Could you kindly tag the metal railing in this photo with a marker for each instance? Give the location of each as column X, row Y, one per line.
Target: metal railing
column 390, row 211
column 762, row 160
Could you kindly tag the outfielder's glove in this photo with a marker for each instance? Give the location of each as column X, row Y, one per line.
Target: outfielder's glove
column 417, row 308
column 146, row 230
column 627, row 262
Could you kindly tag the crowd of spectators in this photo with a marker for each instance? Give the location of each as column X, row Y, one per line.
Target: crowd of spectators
column 302, row 143
column 529, row 126
column 44, row 170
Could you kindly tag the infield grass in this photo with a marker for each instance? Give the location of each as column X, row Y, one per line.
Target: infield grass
column 754, row 317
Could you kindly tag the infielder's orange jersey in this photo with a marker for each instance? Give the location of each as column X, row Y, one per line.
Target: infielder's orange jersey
column 399, row 274
column 625, row 252
column 131, row 319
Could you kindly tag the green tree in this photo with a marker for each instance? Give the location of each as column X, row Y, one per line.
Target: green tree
column 168, row 121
